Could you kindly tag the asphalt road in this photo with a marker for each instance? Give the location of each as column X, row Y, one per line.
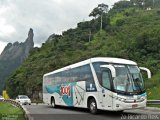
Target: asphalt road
column 45, row 112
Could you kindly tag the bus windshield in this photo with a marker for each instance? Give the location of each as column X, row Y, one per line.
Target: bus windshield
column 128, row 79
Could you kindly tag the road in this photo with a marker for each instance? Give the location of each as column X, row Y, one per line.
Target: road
column 45, row 112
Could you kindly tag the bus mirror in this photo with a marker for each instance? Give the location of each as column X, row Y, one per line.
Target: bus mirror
column 111, row 68
column 147, row 70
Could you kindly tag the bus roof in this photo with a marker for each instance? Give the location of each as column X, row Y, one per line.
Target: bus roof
column 92, row 60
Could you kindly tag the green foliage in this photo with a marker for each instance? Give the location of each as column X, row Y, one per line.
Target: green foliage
column 143, row 4
column 120, row 7
column 117, row 17
column 129, row 33
column 99, row 10
column 12, row 111
column 153, row 87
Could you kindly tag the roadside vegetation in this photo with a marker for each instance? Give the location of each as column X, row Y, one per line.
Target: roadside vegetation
column 129, row 30
column 10, row 112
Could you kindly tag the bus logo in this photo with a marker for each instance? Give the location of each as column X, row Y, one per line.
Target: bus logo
column 65, row 90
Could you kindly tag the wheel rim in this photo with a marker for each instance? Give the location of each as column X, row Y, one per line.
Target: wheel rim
column 93, row 106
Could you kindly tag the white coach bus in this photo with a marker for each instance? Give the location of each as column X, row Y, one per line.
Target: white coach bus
column 112, row 84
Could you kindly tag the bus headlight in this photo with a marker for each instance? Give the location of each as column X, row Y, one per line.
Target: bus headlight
column 122, row 99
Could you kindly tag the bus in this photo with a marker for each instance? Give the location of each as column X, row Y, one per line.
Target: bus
column 112, row 84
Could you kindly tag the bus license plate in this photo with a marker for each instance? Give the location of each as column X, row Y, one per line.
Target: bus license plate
column 134, row 105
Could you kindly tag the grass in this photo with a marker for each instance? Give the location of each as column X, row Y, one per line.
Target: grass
column 8, row 111
column 157, row 106
column 153, row 93
column 153, row 87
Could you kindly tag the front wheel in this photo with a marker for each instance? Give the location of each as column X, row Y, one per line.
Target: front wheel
column 53, row 103
column 93, row 106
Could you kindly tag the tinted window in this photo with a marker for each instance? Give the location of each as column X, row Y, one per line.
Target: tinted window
column 106, row 79
column 82, row 73
column 98, row 70
column 75, row 74
column 86, row 74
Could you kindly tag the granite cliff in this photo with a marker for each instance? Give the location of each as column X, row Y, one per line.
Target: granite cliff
column 12, row 57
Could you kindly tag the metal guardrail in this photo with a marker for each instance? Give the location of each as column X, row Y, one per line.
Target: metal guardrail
column 17, row 104
column 13, row 102
column 153, row 102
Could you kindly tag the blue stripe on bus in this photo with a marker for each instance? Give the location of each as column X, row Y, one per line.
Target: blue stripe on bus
column 67, row 97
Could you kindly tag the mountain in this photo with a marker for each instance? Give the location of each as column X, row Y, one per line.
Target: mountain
column 12, row 57
column 129, row 31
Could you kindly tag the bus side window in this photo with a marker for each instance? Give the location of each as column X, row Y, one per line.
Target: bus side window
column 86, row 74
column 75, row 74
column 106, row 79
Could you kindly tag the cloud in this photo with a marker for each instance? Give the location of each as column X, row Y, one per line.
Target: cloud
column 44, row 16
column 2, row 44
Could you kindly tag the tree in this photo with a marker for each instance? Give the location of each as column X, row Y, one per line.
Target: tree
column 138, row 3
column 145, row 3
column 121, row 5
column 99, row 11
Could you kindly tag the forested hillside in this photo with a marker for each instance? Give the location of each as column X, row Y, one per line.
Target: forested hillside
column 130, row 30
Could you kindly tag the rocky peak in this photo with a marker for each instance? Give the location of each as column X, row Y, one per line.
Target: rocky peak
column 53, row 37
column 29, row 39
column 30, row 33
column 9, row 45
column 20, row 50
column 29, row 42
column 13, row 55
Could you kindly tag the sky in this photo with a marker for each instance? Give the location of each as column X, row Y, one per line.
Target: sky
column 44, row 16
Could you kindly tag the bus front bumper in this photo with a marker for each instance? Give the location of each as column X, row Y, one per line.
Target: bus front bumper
column 121, row 105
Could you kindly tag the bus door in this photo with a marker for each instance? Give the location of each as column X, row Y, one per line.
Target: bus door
column 106, row 94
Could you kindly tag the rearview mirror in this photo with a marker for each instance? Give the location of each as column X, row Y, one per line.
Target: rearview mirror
column 147, row 70
column 111, row 68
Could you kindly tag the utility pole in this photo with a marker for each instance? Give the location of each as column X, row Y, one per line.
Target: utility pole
column 153, row 3
column 143, row 4
column 101, row 22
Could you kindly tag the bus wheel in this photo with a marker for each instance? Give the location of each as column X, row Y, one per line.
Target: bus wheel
column 93, row 106
column 53, row 102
